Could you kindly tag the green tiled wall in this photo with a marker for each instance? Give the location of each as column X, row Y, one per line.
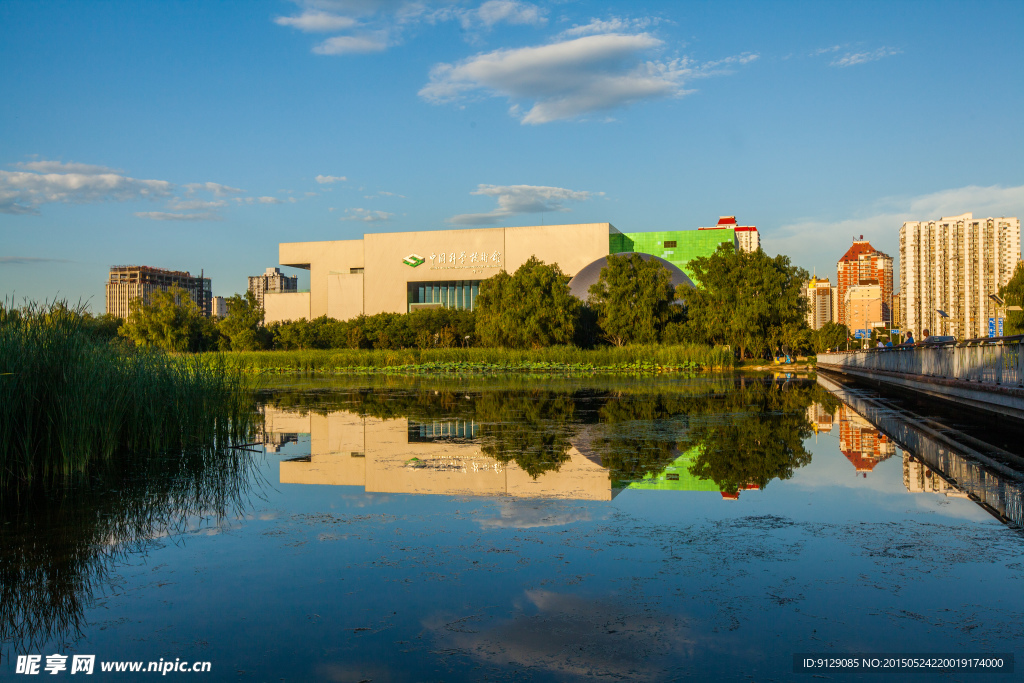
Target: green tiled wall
column 689, row 244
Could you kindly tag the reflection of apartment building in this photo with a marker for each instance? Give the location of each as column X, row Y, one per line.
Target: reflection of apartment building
column 403, row 456
column 274, row 281
column 861, row 442
column 953, row 265
column 820, row 419
column 126, row 284
column 919, row 478
column 819, row 302
column 862, row 264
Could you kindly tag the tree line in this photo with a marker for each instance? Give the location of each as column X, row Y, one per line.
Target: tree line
column 748, row 301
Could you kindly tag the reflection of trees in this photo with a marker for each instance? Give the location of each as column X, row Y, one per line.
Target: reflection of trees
column 533, row 429
column 638, row 434
column 749, row 431
column 55, row 553
column 751, row 435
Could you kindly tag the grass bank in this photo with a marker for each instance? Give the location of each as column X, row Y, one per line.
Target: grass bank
column 70, row 401
column 552, row 360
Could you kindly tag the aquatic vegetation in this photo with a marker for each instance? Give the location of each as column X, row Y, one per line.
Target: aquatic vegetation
column 560, row 360
column 71, row 401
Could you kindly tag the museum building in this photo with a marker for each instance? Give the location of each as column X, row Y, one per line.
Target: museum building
column 404, row 271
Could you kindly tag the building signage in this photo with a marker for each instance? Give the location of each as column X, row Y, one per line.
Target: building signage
column 449, row 260
column 991, row 327
column 413, row 260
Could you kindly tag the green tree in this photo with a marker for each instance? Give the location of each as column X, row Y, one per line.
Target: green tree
column 829, row 336
column 244, row 324
column 531, row 308
column 1013, row 294
column 634, row 300
column 749, row 301
column 171, row 321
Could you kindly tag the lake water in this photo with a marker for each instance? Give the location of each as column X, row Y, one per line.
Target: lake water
column 705, row 528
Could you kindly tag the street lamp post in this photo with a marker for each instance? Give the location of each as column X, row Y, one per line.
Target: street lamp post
column 1001, row 306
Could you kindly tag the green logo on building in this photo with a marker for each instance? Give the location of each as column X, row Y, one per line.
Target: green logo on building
column 413, row 260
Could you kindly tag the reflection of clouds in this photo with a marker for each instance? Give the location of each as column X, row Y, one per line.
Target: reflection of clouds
column 569, row 634
column 534, row 513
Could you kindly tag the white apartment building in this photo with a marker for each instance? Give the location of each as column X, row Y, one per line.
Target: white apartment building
column 218, row 307
column 819, row 302
column 952, row 265
column 274, row 281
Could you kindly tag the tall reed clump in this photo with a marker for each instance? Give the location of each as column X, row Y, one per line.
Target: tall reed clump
column 70, row 400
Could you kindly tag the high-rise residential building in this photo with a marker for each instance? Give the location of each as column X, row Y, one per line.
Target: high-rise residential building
column 863, row 308
column 126, row 284
column 897, row 311
column 862, row 264
column 273, row 280
column 819, row 302
column 953, row 265
column 219, row 307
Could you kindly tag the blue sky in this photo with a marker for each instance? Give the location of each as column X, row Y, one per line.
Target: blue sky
column 199, row 135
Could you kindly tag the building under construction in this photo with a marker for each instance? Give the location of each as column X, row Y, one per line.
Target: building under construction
column 127, row 284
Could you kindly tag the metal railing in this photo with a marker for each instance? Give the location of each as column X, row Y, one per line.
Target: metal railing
column 989, row 360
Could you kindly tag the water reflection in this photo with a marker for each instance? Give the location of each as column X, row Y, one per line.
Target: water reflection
column 583, row 444
column 58, row 553
column 936, row 458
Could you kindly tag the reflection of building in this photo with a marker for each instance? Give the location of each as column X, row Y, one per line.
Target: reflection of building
column 273, row 280
column 919, row 478
column 862, row 264
column 819, row 418
column 953, row 264
column 861, row 442
column 128, row 283
column 402, row 456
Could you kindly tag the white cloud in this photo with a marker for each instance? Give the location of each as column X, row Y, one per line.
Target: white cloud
column 495, row 12
column 571, row 78
column 216, row 189
column 826, row 50
column 177, row 204
column 22, row 192
column 317, row 21
column 327, row 179
column 808, row 242
column 342, row 45
column 365, row 25
column 611, row 25
column 68, row 167
column 366, row 215
column 167, row 216
column 853, row 58
column 518, row 199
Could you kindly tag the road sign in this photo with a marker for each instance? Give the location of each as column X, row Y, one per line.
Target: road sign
column 992, row 327
column 1001, row 327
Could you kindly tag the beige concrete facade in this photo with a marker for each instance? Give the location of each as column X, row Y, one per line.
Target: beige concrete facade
column 819, row 302
column 372, row 275
column 377, row 454
column 863, row 308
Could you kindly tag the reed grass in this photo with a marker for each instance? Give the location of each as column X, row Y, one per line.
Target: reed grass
column 70, row 400
column 550, row 360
